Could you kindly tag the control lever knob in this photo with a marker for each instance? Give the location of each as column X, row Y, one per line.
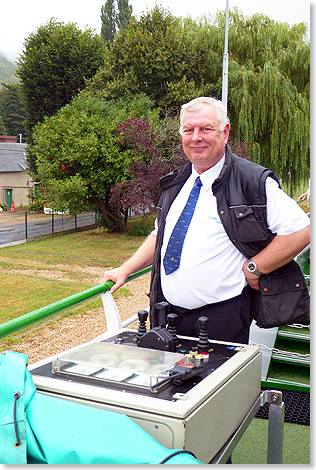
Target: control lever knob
column 142, row 317
column 172, row 322
column 203, row 343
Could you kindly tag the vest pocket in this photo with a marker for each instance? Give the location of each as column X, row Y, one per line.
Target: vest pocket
column 283, row 298
column 248, row 228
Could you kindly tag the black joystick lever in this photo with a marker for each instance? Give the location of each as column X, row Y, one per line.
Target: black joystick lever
column 172, row 322
column 142, row 317
column 162, row 308
column 203, row 343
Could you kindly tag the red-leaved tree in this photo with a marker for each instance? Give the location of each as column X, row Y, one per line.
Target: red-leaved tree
column 157, row 153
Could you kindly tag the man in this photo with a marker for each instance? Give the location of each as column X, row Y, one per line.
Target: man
column 240, row 213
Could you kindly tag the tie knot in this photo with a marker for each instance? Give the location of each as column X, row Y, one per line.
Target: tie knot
column 198, row 182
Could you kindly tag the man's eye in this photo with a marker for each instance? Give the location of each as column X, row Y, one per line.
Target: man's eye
column 187, row 131
column 207, row 129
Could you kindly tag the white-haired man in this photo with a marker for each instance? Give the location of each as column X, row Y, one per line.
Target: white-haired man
column 243, row 225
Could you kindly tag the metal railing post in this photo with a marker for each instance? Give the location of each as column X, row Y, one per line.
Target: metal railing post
column 26, row 226
column 276, row 428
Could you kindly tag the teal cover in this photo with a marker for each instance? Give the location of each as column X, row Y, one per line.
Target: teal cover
column 13, row 379
column 57, row 431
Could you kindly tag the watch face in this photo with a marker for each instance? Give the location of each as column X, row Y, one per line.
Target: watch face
column 251, row 266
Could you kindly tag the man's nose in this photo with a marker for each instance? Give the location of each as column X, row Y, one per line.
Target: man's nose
column 196, row 134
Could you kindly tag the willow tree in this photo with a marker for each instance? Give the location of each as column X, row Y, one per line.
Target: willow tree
column 269, row 92
column 267, row 110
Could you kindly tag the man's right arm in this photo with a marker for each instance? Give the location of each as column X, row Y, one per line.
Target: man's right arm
column 141, row 259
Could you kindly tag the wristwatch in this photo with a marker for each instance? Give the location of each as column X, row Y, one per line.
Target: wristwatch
column 253, row 268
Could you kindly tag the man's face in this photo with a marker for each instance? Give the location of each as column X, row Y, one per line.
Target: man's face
column 202, row 140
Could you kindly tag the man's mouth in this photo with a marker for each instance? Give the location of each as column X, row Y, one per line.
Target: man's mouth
column 197, row 148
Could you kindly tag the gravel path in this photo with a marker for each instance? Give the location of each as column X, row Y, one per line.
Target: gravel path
column 77, row 329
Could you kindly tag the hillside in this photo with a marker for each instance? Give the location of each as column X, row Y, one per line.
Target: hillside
column 7, row 70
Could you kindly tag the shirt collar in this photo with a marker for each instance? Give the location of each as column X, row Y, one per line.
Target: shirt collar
column 209, row 176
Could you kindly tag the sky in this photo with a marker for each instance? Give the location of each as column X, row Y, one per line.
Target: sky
column 19, row 18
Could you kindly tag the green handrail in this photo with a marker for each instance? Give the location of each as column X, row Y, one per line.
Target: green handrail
column 28, row 319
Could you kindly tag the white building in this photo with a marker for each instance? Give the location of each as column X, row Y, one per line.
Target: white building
column 15, row 182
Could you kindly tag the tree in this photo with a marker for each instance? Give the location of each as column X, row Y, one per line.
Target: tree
column 108, row 18
column 13, row 110
column 158, row 56
column 53, row 67
column 173, row 60
column 80, row 156
column 102, row 143
column 3, row 129
column 115, row 16
column 160, row 151
column 124, row 14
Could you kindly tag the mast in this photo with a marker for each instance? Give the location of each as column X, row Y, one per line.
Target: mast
column 225, row 59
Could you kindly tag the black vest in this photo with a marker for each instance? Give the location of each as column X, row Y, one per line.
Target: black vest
column 241, row 204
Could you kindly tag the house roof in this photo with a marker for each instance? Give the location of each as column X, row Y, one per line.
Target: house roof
column 12, row 157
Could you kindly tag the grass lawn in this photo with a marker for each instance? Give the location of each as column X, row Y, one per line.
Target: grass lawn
column 39, row 273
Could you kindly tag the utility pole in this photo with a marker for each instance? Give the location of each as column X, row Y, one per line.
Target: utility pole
column 225, row 59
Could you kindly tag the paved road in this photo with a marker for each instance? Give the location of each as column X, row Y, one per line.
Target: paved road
column 43, row 226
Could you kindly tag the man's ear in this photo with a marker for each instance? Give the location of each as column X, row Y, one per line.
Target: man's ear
column 226, row 132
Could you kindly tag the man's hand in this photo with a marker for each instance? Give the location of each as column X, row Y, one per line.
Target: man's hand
column 280, row 251
column 303, row 196
column 117, row 275
column 141, row 259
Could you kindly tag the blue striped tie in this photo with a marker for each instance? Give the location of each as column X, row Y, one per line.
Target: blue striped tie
column 172, row 256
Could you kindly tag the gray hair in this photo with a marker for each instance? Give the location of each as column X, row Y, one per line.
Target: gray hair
column 202, row 101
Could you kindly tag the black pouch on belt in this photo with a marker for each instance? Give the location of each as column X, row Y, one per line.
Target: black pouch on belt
column 283, row 298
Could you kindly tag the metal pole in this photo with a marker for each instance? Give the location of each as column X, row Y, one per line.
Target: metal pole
column 225, row 59
column 275, row 428
column 53, row 223
column 26, row 226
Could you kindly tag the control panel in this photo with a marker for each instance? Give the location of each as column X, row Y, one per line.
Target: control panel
column 186, row 392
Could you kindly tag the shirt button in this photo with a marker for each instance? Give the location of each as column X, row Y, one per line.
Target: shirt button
column 222, row 212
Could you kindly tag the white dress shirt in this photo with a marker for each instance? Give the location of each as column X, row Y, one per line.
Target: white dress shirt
column 211, row 266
